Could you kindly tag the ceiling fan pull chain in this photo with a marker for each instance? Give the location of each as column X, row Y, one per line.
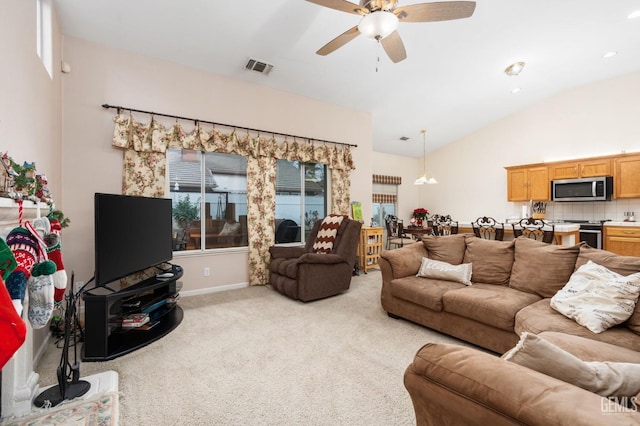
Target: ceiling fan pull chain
column 378, row 61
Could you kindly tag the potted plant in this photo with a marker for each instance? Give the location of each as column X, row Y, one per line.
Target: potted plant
column 420, row 214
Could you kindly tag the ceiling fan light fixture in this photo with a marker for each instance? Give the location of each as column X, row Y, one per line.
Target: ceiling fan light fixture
column 514, row 69
column 378, row 25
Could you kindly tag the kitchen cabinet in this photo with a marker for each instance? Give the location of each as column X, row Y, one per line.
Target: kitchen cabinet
column 528, row 183
column 624, row 240
column 580, row 169
column 626, row 176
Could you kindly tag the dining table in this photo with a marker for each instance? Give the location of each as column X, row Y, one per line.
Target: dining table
column 417, row 231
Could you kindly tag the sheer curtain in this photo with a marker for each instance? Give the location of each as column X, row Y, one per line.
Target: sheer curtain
column 144, row 170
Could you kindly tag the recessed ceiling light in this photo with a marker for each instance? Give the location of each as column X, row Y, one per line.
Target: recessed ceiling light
column 514, row 69
column 515, row 90
column 609, row 54
column 634, row 15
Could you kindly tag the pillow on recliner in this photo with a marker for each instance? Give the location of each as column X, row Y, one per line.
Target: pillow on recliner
column 619, row 379
column 327, row 233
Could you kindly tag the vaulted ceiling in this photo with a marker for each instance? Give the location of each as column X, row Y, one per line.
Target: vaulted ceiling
column 451, row 84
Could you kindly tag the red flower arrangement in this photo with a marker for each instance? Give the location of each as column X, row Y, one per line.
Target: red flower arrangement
column 420, row 213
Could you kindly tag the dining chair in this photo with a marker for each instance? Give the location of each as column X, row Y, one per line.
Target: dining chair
column 395, row 233
column 537, row 229
column 488, row 228
column 443, row 225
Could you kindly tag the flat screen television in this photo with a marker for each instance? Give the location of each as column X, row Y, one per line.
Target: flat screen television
column 131, row 233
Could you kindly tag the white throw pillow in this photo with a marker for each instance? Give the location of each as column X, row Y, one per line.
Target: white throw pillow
column 598, row 298
column 230, row 228
column 445, row 271
column 621, row 379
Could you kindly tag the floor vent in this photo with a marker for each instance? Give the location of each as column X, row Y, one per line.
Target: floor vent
column 258, row 66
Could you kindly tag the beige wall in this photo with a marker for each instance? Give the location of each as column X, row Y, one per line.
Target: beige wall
column 597, row 119
column 30, row 114
column 408, row 169
column 30, row 110
column 102, row 75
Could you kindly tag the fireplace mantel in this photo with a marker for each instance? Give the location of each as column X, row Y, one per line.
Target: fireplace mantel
column 19, row 381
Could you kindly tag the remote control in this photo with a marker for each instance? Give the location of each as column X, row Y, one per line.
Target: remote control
column 165, row 275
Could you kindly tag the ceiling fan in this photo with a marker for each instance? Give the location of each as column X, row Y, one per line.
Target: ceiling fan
column 380, row 19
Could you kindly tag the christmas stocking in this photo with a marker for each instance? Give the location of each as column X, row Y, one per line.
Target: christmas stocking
column 7, row 260
column 12, row 328
column 55, row 255
column 41, row 293
column 25, row 250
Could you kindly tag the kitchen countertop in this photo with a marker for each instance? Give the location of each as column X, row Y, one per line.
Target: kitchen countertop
column 621, row 223
column 559, row 227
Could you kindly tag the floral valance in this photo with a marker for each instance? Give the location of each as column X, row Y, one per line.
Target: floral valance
column 155, row 137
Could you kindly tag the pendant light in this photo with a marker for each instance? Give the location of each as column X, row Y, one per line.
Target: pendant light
column 422, row 180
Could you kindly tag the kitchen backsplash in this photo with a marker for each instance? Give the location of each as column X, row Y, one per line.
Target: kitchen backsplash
column 595, row 210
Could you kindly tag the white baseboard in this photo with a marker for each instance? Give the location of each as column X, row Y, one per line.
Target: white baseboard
column 213, row 289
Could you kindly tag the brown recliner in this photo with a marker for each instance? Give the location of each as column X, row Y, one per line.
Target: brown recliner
column 300, row 273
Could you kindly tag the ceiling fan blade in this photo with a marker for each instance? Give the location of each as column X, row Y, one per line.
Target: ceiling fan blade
column 339, row 41
column 342, row 5
column 394, row 47
column 439, row 11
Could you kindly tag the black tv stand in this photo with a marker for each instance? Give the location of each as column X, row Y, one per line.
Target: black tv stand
column 105, row 306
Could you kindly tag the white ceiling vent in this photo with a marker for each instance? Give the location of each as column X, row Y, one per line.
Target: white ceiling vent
column 259, row 66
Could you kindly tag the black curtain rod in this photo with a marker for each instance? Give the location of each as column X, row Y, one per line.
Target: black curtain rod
column 197, row 120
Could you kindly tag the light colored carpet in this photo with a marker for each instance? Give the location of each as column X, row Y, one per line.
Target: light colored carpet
column 101, row 410
column 255, row 357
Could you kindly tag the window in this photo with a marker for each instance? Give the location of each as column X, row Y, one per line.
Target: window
column 209, row 193
column 44, row 34
column 301, row 199
column 384, row 198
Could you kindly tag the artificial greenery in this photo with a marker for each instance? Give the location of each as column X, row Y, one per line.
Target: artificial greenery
column 59, row 216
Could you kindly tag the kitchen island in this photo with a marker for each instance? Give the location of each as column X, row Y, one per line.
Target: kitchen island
column 566, row 234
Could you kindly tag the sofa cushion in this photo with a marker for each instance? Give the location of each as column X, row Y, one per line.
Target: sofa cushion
column 539, row 317
column 492, row 260
column 445, row 271
column 542, row 268
column 448, row 248
column 423, row 292
column 597, row 298
column 589, row 349
column 618, row 379
column 405, row 261
column 489, row 304
column 624, row 265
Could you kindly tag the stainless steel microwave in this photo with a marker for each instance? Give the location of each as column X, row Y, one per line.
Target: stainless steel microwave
column 585, row 189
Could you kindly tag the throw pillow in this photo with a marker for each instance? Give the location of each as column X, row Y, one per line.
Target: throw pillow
column 598, row 298
column 448, row 248
column 230, row 228
column 492, row 260
column 542, row 268
column 327, row 233
column 445, row 271
column 624, row 265
column 619, row 379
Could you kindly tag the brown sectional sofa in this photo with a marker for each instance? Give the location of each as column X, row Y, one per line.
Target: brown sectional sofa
column 513, row 282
